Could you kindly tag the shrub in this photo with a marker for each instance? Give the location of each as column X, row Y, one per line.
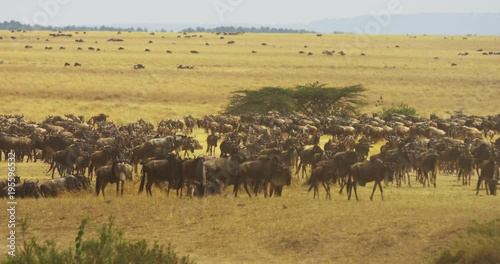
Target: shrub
column 480, row 245
column 402, row 109
column 110, row 247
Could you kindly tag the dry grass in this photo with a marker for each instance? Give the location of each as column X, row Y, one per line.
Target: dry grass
column 411, row 226
column 35, row 82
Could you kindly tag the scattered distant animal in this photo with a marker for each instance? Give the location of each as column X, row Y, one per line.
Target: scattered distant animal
column 169, row 51
column 28, row 47
column 185, row 67
column 253, row 51
column 77, row 64
column 453, row 64
column 67, row 64
column 147, row 50
column 194, row 51
column 139, row 66
column 121, row 48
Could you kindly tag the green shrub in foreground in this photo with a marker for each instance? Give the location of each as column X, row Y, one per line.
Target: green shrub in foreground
column 481, row 245
column 110, row 247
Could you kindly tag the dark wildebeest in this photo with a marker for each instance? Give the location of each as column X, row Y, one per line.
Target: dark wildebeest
column 77, row 64
column 102, row 157
column 192, row 171
column 465, row 164
column 139, row 66
column 281, row 177
column 64, row 160
column 223, row 169
column 428, row 163
column 100, row 118
column 27, row 189
column 157, row 171
column 67, row 64
column 11, row 180
column 227, row 146
column 209, row 188
column 259, row 170
column 306, row 158
column 211, row 144
column 141, row 153
column 489, row 174
column 118, row 172
column 342, row 163
column 324, row 173
column 368, row 171
column 54, row 187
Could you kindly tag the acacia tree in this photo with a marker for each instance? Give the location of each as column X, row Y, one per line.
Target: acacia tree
column 314, row 100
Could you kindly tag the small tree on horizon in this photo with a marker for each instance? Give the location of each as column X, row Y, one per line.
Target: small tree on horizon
column 313, row 100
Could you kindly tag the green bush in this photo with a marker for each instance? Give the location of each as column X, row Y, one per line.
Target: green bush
column 480, row 245
column 402, row 109
column 110, row 247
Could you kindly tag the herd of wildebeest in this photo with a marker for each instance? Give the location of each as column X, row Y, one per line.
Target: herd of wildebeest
column 258, row 151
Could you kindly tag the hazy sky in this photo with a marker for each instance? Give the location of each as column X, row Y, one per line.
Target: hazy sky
column 107, row 12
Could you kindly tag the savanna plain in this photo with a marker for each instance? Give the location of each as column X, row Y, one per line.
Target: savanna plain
column 412, row 224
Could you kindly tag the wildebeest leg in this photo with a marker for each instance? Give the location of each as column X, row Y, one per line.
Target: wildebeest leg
column 374, row 188
column 326, row 185
column 103, row 187
column 149, row 183
column 478, row 185
column 356, row 190
column 123, row 185
column 434, row 177
column 298, row 168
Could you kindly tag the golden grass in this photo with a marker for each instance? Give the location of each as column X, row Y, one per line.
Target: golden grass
column 412, row 225
column 35, row 82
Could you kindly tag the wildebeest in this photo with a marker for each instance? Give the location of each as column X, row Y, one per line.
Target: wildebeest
column 259, row 170
column 324, row 174
column 211, row 144
column 103, row 157
column 306, row 158
column 489, row 174
column 77, row 64
column 157, row 171
column 67, row 64
column 139, row 66
column 26, row 189
column 11, row 180
column 367, row 171
column 428, row 163
column 118, row 172
column 281, row 177
column 54, row 187
column 147, row 50
column 223, row 169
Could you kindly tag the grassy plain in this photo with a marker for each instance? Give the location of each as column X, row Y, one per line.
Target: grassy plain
column 412, row 225
column 35, row 82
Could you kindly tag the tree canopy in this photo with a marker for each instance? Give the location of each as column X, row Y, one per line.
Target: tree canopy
column 314, row 100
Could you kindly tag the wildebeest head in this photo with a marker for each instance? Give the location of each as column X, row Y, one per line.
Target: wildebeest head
column 31, row 189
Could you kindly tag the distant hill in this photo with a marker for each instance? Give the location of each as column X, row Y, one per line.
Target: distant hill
column 433, row 24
